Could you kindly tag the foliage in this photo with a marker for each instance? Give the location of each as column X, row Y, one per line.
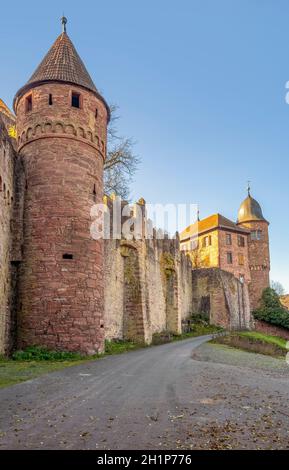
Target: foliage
column 271, row 309
column 39, row 353
column 121, row 162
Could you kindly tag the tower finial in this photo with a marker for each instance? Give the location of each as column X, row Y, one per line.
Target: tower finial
column 249, row 188
column 64, row 22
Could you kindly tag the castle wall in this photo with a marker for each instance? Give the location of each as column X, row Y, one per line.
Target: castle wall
column 7, row 168
column 148, row 288
column 222, row 297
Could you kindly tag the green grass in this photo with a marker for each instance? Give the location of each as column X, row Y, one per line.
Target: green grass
column 39, row 353
column 265, row 338
column 12, row 372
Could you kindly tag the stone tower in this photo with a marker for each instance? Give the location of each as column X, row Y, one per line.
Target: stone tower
column 250, row 216
column 61, row 123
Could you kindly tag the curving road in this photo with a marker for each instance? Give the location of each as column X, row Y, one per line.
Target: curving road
column 160, row 397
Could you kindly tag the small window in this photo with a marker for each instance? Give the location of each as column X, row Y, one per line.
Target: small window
column 228, row 239
column 28, row 103
column 241, row 259
column 67, row 256
column 75, row 100
column 241, row 241
column 229, row 257
column 50, row 101
column 96, row 113
column 207, row 241
column 256, row 235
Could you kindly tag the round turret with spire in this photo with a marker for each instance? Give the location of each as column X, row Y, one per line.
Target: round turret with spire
column 61, row 123
column 250, row 217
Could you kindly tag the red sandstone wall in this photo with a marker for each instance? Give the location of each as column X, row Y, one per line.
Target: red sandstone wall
column 259, row 261
column 7, row 164
column 236, row 269
column 63, row 149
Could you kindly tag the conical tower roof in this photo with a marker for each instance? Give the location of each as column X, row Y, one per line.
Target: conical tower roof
column 62, row 63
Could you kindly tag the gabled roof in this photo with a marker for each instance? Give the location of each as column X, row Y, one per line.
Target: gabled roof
column 213, row 222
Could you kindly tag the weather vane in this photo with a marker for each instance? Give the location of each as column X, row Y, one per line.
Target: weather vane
column 64, row 22
column 249, row 188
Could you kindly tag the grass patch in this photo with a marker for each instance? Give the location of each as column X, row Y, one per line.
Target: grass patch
column 13, row 372
column 255, row 342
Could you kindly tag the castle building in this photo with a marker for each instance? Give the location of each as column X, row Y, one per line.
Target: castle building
column 62, row 289
column 216, row 242
column 240, row 248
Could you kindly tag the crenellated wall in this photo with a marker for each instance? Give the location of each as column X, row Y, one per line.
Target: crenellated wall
column 148, row 288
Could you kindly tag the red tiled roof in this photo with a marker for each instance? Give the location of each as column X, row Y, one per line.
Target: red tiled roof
column 62, row 63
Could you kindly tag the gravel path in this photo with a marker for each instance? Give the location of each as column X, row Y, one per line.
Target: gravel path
column 183, row 395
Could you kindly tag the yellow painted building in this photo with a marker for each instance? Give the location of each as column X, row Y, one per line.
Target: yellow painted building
column 217, row 242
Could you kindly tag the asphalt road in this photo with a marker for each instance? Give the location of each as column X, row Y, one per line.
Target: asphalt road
column 164, row 397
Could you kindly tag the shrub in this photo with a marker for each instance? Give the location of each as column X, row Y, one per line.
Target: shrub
column 271, row 309
column 40, row 353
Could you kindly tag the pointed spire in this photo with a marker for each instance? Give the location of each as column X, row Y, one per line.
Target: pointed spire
column 64, row 22
column 62, row 63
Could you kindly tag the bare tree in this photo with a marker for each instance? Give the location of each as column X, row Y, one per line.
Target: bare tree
column 277, row 287
column 121, row 162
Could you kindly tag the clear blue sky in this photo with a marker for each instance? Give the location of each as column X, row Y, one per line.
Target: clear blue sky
column 201, row 88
